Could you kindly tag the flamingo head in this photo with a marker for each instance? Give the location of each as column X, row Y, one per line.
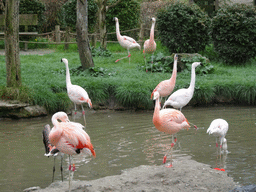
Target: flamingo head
column 156, row 95
column 195, row 64
column 176, row 57
column 153, row 19
column 115, row 19
column 64, row 60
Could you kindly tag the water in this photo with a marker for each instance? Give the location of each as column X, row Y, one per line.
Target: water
column 123, row 140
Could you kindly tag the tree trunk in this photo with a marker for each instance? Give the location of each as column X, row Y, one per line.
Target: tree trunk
column 102, row 11
column 13, row 71
column 82, row 35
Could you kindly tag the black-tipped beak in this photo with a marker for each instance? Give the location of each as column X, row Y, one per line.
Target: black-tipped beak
column 61, row 60
column 113, row 18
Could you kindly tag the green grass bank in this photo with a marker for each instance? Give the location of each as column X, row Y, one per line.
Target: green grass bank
column 44, row 83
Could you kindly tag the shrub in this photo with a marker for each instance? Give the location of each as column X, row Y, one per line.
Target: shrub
column 183, row 28
column 234, row 33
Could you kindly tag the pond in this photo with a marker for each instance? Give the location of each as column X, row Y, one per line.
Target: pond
column 124, row 140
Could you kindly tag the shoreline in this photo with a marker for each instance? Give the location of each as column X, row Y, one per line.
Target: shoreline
column 185, row 175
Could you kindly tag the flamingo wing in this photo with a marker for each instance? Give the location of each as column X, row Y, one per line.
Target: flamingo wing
column 77, row 94
column 46, row 141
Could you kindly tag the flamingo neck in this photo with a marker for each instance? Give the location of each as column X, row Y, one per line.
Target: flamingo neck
column 156, row 113
column 193, row 79
column 174, row 72
column 55, row 121
column 118, row 35
column 152, row 32
column 68, row 81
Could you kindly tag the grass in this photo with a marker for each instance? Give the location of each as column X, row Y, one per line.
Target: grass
column 43, row 79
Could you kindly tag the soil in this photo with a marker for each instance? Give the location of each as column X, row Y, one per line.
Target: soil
column 185, row 175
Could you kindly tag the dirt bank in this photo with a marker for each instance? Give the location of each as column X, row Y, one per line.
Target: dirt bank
column 186, row 175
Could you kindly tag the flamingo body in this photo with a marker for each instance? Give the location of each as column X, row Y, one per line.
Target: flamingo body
column 69, row 137
column 169, row 121
column 165, row 88
column 219, row 129
column 181, row 97
column 125, row 41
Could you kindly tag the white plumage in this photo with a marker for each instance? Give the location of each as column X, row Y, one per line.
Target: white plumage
column 181, row 97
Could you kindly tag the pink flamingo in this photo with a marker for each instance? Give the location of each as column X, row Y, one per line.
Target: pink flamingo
column 125, row 41
column 169, row 121
column 76, row 93
column 150, row 44
column 165, row 88
column 69, row 138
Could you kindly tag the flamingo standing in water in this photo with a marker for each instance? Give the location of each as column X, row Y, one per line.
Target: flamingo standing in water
column 150, row 44
column 165, row 88
column 125, row 41
column 51, row 150
column 76, row 93
column 169, row 121
column 69, row 138
column 181, row 97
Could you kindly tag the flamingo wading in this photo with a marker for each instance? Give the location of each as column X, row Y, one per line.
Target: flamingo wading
column 219, row 129
column 165, row 88
column 150, row 44
column 70, row 138
column 125, row 41
column 76, row 93
column 181, row 97
column 169, row 121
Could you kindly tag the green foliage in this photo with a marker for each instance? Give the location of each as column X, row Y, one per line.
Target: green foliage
column 100, row 52
column 127, row 13
column 100, row 71
column 69, row 12
column 183, row 28
column 21, row 94
column 162, row 63
column 234, row 33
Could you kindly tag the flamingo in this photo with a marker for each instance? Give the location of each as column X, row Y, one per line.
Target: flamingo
column 125, row 41
column 165, row 88
column 219, row 129
column 76, row 93
column 150, row 44
column 169, row 121
column 181, row 97
column 69, row 138
column 51, row 150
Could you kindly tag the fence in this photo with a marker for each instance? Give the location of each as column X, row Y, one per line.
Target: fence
column 66, row 37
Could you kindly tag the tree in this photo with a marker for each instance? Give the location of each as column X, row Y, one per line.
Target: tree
column 102, row 11
column 82, row 35
column 13, row 71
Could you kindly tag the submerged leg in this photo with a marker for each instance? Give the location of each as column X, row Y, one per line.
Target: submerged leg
column 53, row 169
column 83, row 111
column 165, row 157
column 69, row 175
column 61, row 168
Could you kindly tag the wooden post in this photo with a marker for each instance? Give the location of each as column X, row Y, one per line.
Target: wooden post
column 141, row 35
column 57, row 33
column 67, row 38
column 26, row 44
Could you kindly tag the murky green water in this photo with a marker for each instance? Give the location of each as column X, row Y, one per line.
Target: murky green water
column 124, row 140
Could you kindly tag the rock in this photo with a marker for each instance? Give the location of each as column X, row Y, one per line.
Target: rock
column 15, row 109
column 248, row 188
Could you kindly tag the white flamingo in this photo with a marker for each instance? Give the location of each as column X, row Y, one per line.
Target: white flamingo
column 181, row 97
column 219, row 129
column 150, row 44
column 76, row 93
column 125, row 41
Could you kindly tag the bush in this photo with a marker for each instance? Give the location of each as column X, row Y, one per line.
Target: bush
column 234, row 33
column 183, row 28
column 127, row 11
